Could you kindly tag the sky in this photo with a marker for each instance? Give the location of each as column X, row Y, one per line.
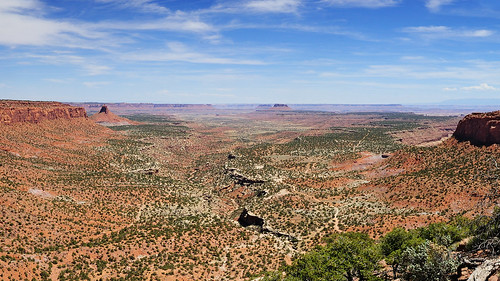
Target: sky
column 250, row 51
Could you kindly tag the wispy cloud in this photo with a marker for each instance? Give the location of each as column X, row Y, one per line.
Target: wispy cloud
column 90, row 68
column 177, row 51
column 96, row 84
column 445, row 32
column 470, row 71
column 143, row 5
column 17, row 6
column 254, row 6
column 481, row 87
column 435, row 5
column 180, row 21
column 333, row 30
column 28, row 26
column 274, row 6
column 93, row 69
column 57, row 81
column 23, row 24
column 363, row 3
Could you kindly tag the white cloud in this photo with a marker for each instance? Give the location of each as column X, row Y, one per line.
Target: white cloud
column 179, row 22
column 274, row 6
column 459, row 72
column 93, row 69
column 413, row 58
column 254, row 6
column 22, row 23
column 427, row 29
column 16, row 6
column 96, row 84
column 363, row 3
column 179, row 52
column 478, row 33
column 144, row 5
column 90, row 68
column 481, row 87
column 335, row 30
column 435, row 5
column 450, row 89
column 55, row 80
column 445, row 32
column 28, row 30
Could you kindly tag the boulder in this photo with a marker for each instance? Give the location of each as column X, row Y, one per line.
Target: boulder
column 485, row 270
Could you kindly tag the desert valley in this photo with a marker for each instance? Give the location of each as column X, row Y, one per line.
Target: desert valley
column 267, row 140
column 197, row 192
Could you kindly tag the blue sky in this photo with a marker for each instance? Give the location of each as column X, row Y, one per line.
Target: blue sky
column 250, row 51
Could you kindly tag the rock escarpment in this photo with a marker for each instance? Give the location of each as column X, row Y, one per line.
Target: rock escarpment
column 479, row 128
column 12, row 112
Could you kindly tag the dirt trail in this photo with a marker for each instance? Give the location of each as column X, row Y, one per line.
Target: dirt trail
column 359, row 143
column 336, row 220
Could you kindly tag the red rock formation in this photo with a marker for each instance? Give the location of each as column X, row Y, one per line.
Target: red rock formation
column 12, row 112
column 479, row 128
column 107, row 118
column 104, row 109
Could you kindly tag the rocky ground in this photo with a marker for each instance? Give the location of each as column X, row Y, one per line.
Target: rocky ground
column 218, row 195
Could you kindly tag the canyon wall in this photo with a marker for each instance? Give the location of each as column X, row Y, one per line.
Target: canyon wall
column 12, row 112
column 479, row 128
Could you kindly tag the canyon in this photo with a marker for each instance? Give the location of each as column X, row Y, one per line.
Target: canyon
column 196, row 194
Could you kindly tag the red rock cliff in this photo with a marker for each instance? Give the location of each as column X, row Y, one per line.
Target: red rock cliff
column 479, row 128
column 33, row 111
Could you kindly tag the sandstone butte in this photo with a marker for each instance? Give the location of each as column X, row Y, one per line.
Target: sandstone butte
column 275, row 107
column 12, row 112
column 479, row 128
column 280, row 106
column 107, row 118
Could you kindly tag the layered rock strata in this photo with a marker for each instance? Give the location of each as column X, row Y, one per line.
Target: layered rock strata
column 13, row 112
column 479, row 128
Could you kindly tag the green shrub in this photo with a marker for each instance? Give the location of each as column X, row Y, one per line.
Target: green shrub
column 347, row 256
column 428, row 262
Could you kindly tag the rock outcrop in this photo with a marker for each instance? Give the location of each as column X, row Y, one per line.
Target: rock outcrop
column 241, row 179
column 485, row 271
column 479, row 128
column 247, row 219
column 107, row 118
column 13, row 112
